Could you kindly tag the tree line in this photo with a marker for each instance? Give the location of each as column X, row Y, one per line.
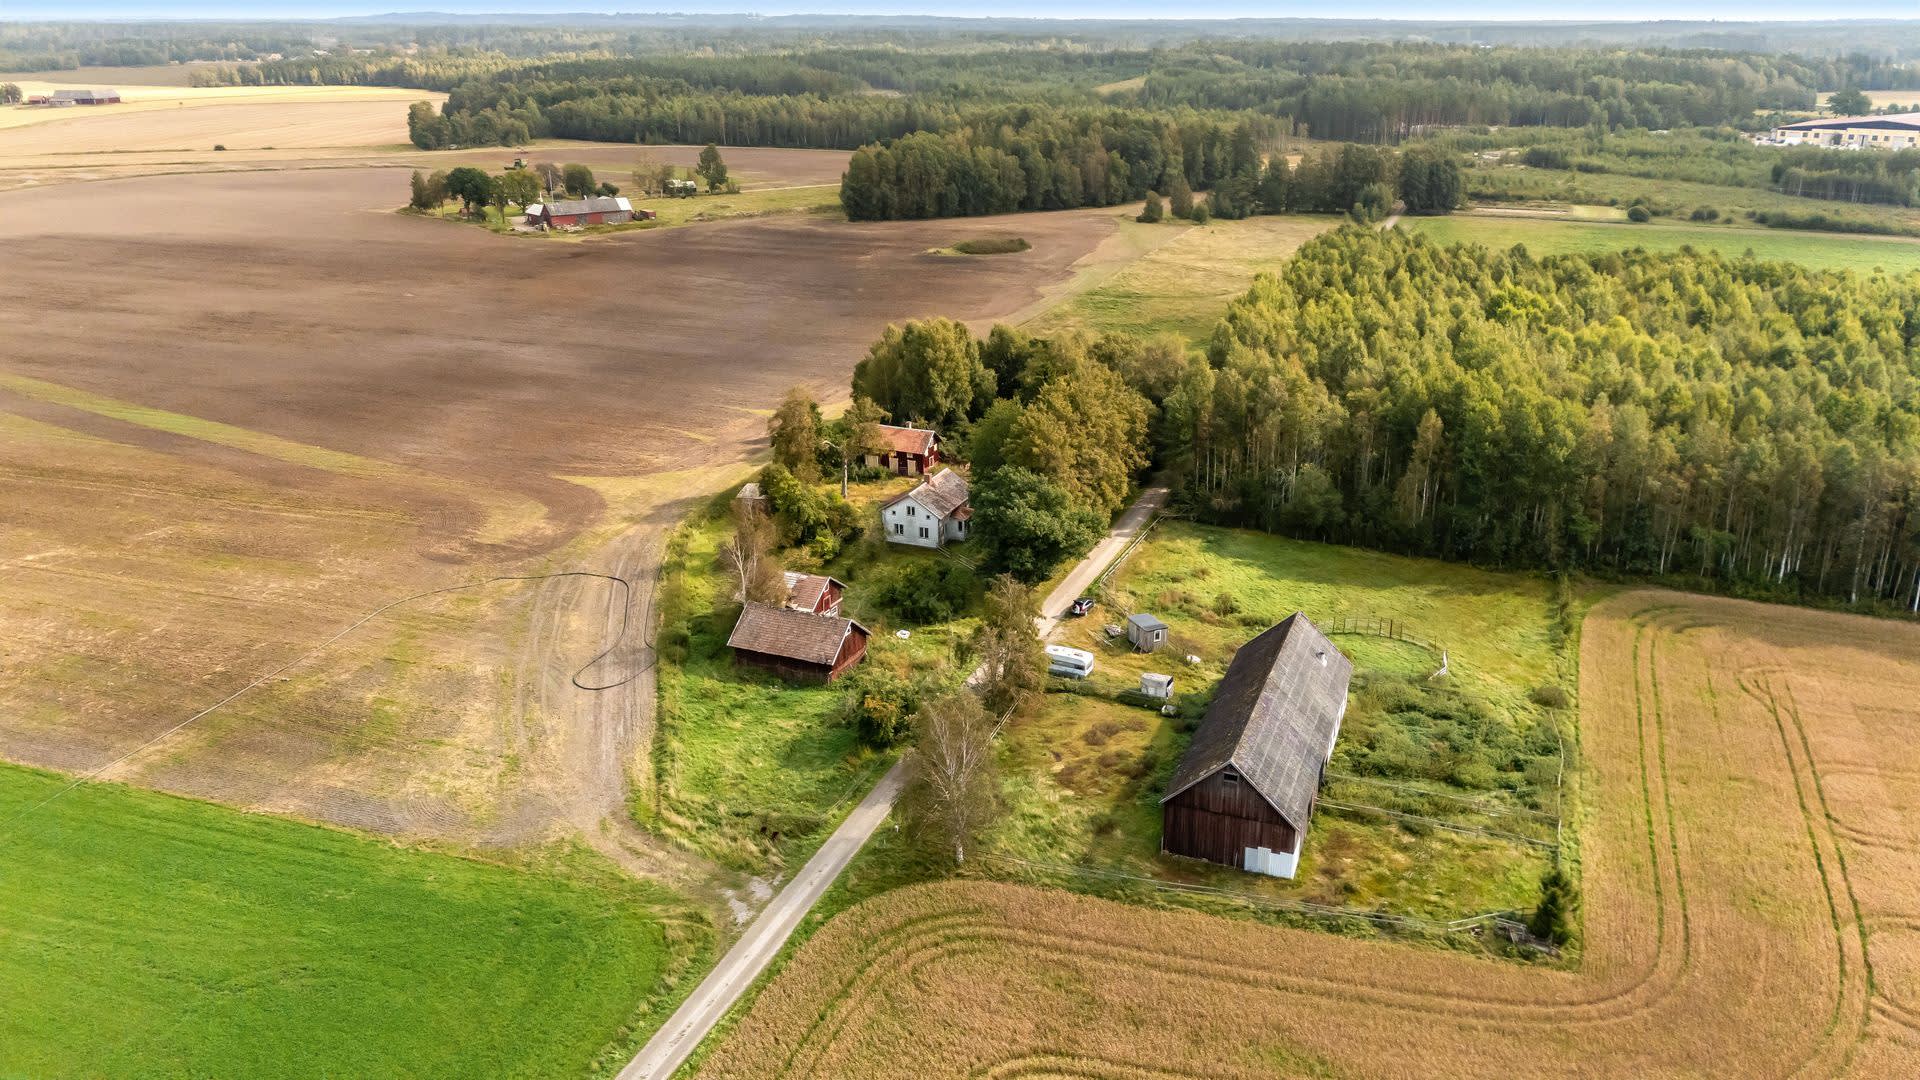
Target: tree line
column 1750, row 425
column 1100, row 159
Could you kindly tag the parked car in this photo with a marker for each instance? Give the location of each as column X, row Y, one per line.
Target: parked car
column 1080, row 607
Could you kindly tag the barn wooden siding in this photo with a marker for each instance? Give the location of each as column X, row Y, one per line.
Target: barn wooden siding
column 1218, row 821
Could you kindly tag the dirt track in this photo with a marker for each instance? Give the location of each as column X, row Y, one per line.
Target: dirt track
column 239, row 410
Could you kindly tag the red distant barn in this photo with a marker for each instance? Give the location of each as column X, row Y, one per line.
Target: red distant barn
column 911, row 451
column 797, row 644
column 598, row 210
column 815, row 594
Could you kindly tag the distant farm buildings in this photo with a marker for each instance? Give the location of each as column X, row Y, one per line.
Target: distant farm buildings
column 68, row 98
column 1244, row 792
column 934, row 512
column 1895, row 131
column 597, row 210
column 911, row 451
column 797, row 644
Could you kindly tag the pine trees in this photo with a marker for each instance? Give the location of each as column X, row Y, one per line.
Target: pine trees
column 1552, row 919
column 1180, row 198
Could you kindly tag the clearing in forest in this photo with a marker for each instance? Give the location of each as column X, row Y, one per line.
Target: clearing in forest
column 1546, row 236
column 1748, row 864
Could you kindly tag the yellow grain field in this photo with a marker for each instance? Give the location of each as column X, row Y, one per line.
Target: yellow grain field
column 1752, row 908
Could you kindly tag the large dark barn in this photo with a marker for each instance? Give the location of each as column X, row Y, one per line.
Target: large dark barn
column 1244, row 792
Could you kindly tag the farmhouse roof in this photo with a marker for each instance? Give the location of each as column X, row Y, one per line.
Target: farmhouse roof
column 1146, row 622
column 805, row 590
column 1897, row 121
column 796, row 635
column 944, row 493
column 1273, row 717
column 598, row 204
column 909, row 440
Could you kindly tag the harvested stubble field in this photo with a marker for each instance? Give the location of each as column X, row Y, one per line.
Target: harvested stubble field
column 240, row 412
column 1750, row 910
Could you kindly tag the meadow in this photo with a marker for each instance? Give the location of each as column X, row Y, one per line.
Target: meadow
column 1086, row 766
column 1749, row 849
column 751, row 770
column 268, row 947
column 1544, row 235
column 1171, row 277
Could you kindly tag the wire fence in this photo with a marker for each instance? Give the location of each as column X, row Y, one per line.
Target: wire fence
column 1499, row 920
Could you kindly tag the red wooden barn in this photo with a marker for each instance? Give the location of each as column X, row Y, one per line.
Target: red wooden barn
column 911, row 451
column 797, row 644
column 1244, row 792
column 815, row 594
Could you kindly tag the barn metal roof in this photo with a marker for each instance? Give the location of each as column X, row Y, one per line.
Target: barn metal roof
column 598, row 204
column 796, row 635
column 1273, row 718
column 1897, row 121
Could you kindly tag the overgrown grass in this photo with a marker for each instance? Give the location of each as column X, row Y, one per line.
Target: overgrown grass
column 750, row 770
column 1547, row 236
column 1086, row 770
column 146, row 935
column 1183, row 285
column 991, row 245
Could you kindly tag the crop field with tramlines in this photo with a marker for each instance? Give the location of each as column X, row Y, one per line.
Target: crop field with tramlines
column 1748, row 862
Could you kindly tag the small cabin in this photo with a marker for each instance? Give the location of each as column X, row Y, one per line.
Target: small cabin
column 798, row 645
column 1244, row 791
column 1146, row 632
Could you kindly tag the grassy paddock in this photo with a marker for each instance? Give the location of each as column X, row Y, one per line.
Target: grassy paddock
column 751, row 770
column 1548, row 236
column 147, row 935
column 1086, row 770
column 1186, row 277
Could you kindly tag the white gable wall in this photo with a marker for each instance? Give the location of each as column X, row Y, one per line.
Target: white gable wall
column 908, row 522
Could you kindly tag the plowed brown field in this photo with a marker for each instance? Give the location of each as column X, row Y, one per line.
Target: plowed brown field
column 238, row 412
column 1752, row 909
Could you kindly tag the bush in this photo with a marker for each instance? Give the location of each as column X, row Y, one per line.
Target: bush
column 993, row 245
column 1154, row 211
column 878, row 705
column 920, row 593
column 1201, row 215
column 1705, row 213
column 1553, row 919
column 1639, row 213
column 1549, row 696
column 219, row 146
column 1225, row 605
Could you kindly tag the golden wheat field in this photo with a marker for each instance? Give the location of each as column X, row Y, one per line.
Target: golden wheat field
column 1751, row 876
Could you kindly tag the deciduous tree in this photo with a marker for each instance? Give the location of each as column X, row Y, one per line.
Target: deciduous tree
column 1025, row 524
column 1007, row 647
column 794, row 431
column 953, row 786
column 711, row 168
column 577, row 179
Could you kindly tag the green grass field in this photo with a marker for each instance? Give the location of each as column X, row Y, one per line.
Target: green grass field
column 145, row 935
column 1184, row 280
column 1085, row 771
column 750, row 770
column 1548, row 236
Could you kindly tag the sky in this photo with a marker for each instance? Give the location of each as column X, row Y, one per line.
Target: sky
column 1516, row 10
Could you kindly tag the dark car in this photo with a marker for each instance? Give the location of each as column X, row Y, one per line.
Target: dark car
column 1081, row 606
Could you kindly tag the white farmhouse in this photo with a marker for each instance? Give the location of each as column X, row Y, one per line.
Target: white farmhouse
column 934, row 512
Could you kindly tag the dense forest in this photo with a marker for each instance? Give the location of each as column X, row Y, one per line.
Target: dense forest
column 1347, row 91
column 1058, row 162
column 1754, row 424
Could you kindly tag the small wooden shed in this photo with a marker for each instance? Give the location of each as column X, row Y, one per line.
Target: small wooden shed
column 1146, row 632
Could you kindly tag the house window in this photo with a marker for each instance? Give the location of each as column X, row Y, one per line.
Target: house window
column 923, row 534
column 899, row 529
column 910, row 510
column 1230, row 778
